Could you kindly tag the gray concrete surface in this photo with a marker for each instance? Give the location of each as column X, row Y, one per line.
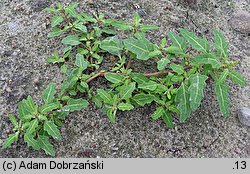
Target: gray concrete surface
column 24, row 48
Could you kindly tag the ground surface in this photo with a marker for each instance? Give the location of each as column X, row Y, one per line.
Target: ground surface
column 24, row 49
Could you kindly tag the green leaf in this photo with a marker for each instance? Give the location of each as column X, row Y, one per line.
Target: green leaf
column 196, row 88
column 70, row 10
column 174, row 50
column 125, row 107
column 42, row 117
column 118, row 24
column 49, row 107
column 237, row 78
column 13, row 120
column 182, row 101
column 178, row 41
column 55, row 58
column 221, row 92
column 150, row 85
column 30, row 105
column 29, row 139
column 71, row 79
column 136, row 19
column 49, row 93
column 158, row 113
column 220, row 44
column 197, row 43
column 161, row 64
column 32, row 127
column 98, row 58
column 108, row 31
column 81, row 27
column 75, row 105
column 25, row 125
column 105, row 96
column 142, row 99
column 126, row 91
column 56, row 20
column 64, row 68
column 113, row 45
column 88, row 18
column 71, row 40
column 52, row 130
column 139, row 78
column 114, row 78
column 97, row 100
column 84, row 85
column 163, row 43
column 10, row 140
column 140, row 46
column 56, row 32
column 161, row 89
column 98, row 31
column 168, row 119
column 223, row 76
column 177, row 78
column 177, row 68
column 81, row 62
column 44, row 143
column 207, row 59
column 22, row 110
column 111, row 115
column 146, row 28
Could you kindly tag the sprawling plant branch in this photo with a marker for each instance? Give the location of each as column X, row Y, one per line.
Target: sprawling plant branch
column 158, row 73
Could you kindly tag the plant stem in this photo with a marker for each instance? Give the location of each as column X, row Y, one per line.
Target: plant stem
column 95, row 76
column 129, row 64
column 70, row 63
column 100, row 74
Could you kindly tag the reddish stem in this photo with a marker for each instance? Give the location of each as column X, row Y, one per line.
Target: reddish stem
column 100, row 74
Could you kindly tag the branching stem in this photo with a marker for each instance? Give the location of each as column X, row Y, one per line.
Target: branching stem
column 159, row 73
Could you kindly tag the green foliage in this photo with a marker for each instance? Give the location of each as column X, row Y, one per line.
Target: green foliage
column 72, row 40
column 177, row 89
column 182, row 101
column 207, row 59
column 198, row 43
column 197, row 85
column 162, row 64
column 141, row 47
column 113, row 45
column 220, row 44
column 38, row 124
column 178, row 41
column 221, row 92
column 237, row 78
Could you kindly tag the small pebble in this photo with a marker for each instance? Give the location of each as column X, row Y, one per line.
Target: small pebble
column 13, row 26
column 8, row 89
column 244, row 116
column 36, row 80
column 90, row 2
column 142, row 12
column 240, row 21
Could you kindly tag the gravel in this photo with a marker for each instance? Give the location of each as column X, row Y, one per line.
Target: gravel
column 244, row 116
column 240, row 21
column 24, row 48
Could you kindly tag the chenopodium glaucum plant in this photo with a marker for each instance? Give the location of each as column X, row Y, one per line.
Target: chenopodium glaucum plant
column 176, row 88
